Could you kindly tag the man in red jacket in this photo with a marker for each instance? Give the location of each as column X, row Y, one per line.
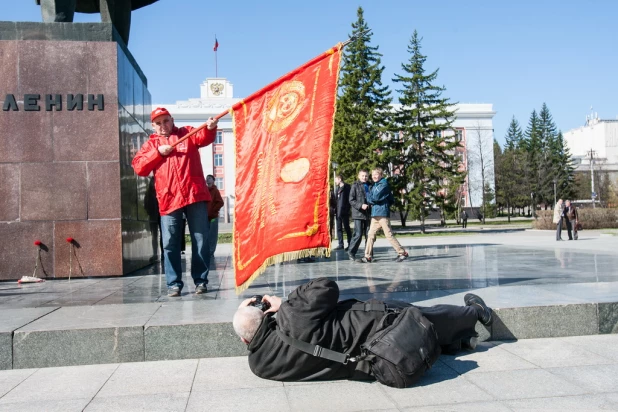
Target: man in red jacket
column 180, row 188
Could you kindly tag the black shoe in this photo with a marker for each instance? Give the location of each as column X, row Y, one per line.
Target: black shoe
column 351, row 256
column 469, row 343
column 338, row 248
column 485, row 315
column 201, row 288
column 347, row 248
column 173, row 292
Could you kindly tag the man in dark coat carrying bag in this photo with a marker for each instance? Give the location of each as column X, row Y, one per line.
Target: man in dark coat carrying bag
column 315, row 337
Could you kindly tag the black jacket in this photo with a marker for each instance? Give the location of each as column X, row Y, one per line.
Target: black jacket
column 312, row 314
column 343, row 200
column 357, row 199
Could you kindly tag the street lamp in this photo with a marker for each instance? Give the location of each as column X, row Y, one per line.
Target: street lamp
column 555, row 198
column 532, row 205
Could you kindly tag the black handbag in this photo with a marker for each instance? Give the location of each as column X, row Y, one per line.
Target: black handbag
column 404, row 346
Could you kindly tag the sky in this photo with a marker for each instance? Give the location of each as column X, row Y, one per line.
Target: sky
column 515, row 55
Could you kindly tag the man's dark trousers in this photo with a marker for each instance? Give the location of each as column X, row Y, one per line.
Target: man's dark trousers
column 569, row 227
column 343, row 222
column 360, row 229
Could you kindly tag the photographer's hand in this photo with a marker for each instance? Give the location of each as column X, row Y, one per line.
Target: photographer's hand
column 246, row 302
column 275, row 303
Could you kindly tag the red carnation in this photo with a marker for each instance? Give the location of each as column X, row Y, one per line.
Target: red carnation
column 70, row 239
column 37, row 243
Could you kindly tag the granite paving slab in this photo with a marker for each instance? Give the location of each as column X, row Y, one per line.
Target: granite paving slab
column 150, row 378
column 163, row 402
column 234, row 400
column 549, row 352
column 83, row 335
column 13, row 319
column 523, row 383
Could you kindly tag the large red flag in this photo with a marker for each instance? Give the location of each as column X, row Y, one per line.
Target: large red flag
column 283, row 136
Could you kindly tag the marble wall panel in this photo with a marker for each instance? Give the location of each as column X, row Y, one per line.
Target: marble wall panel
column 102, row 70
column 17, row 250
column 26, row 136
column 98, row 248
column 8, row 68
column 86, row 135
column 140, row 244
column 9, row 191
column 103, row 190
column 53, row 191
column 125, row 81
column 53, row 67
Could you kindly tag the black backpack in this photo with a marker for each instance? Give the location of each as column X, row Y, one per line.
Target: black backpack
column 403, row 347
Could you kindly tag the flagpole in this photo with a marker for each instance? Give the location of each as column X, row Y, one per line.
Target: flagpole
column 292, row 73
column 216, row 65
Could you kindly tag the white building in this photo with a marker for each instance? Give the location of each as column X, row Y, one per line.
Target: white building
column 597, row 137
column 474, row 122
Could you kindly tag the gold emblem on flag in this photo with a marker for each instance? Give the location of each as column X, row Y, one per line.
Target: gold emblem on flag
column 284, row 106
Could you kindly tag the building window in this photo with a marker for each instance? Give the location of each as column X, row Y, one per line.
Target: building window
column 219, row 182
column 218, row 159
column 459, row 135
column 219, row 138
column 438, row 133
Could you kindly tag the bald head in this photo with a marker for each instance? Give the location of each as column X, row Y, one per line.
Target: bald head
column 246, row 322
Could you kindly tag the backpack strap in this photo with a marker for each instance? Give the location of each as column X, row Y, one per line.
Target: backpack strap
column 369, row 307
column 316, row 350
column 321, row 352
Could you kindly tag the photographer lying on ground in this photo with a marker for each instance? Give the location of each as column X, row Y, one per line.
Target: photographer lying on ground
column 314, row 337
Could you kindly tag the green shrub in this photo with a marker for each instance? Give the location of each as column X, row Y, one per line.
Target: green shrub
column 589, row 219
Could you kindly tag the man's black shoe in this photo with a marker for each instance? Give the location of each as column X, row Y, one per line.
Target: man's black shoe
column 351, row 256
column 469, row 343
column 338, row 248
column 201, row 288
column 485, row 316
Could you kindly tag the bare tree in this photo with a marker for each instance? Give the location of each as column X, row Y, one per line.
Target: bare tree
column 480, row 153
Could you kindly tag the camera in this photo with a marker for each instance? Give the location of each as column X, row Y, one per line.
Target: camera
column 259, row 303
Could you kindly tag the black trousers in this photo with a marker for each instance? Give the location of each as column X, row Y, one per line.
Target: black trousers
column 361, row 228
column 452, row 323
column 343, row 222
column 569, row 227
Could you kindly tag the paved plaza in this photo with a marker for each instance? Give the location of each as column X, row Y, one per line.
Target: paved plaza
column 524, row 268
column 139, row 350
column 574, row 373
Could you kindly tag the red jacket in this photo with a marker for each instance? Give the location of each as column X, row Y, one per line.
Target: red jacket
column 179, row 178
column 217, row 202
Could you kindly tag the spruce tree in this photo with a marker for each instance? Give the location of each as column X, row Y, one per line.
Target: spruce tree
column 363, row 105
column 549, row 156
column 423, row 148
column 514, row 135
column 533, row 148
column 565, row 176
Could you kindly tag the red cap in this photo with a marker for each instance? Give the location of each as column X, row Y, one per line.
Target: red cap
column 159, row 111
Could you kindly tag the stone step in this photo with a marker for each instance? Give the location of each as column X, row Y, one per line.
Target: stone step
column 82, row 335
